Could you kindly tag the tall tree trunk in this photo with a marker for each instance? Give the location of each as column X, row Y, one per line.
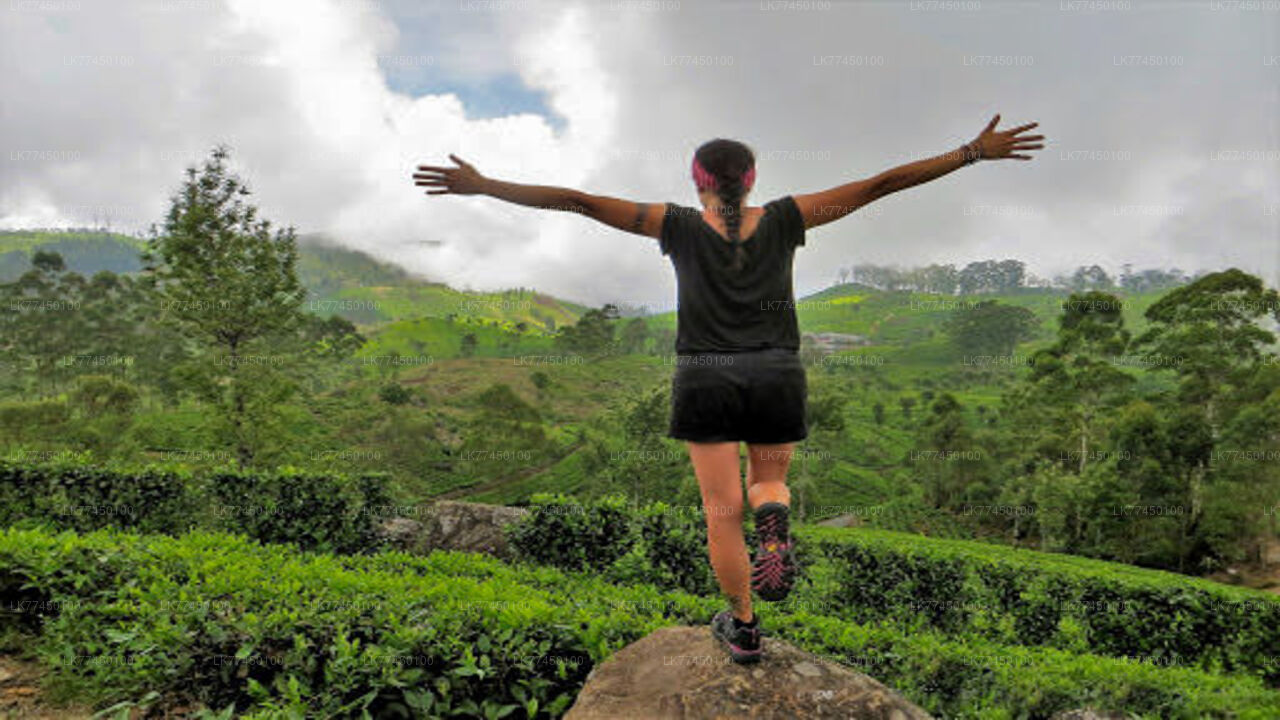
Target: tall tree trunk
column 1084, row 442
column 244, row 455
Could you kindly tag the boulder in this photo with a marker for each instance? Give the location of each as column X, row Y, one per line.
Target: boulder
column 400, row 533
column 841, row 521
column 453, row 525
column 683, row 672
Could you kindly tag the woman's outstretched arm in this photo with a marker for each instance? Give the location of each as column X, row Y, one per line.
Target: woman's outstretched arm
column 639, row 218
column 823, row 207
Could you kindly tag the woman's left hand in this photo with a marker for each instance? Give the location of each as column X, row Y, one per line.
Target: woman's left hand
column 997, row 145
column 462, row 180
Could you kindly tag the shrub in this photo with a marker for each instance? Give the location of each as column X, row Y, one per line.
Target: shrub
column 657, row 543
column 98, row 394
column 670, row 552
column 85, row 497
column 336, row 513
column 1030, row 598
column 32, row 421
column 394, row 394
column 565, row 533
column 224, row 621
column 320, row 512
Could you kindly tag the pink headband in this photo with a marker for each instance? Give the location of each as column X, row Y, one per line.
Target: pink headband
column 706, row 181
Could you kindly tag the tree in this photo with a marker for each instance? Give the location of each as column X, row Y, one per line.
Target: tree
column 989, row 276
column 592, row 334
column 106, row 407
column 468, row 346
column 41, row 314
column 60, row 325
column 1208, row 334
column 940, row 279
column 1252, row 487
column 906, row 402
column 1152, row 279
column 226, row 280
column 635, row 333
column 1092, row 277
column 664, row 340
column 948, row 459
column 1075, row 379
column 824, row 415
column 989, row 328
column 644, row 416
column 329, row 341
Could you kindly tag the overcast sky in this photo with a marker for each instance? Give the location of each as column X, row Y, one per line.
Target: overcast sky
column 1162, row 124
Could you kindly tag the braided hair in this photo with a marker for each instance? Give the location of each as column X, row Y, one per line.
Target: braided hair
column 729, row 162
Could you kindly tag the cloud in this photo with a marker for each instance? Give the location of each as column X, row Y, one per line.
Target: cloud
column 105, row 106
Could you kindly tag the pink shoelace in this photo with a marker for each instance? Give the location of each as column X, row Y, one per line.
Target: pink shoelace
column 771, row 567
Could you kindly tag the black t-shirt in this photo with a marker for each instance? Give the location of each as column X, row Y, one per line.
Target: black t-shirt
column 720, row 310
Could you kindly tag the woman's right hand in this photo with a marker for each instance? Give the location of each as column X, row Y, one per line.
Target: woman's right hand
column 462, row 180
column 994, row 145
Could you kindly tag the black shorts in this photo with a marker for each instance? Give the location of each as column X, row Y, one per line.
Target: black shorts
column 758, row 396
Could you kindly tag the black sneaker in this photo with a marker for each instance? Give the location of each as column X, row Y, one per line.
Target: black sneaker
column 742, row 641
column 774, row 568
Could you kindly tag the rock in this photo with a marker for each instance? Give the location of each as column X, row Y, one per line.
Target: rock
column 400, row 533
column 683, row 672
column 807, row 669
column 1271, row 551
column 454, row 525
column 1088, row 713
column 841, row 521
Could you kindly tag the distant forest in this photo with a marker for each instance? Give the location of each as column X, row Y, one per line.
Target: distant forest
column 1004, row 276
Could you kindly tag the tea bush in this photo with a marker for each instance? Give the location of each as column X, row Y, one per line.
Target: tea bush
column 225, row 622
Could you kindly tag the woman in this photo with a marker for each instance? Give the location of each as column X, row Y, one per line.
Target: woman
column 738, row 376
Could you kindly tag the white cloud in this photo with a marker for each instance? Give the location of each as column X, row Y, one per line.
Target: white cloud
column 105, row 104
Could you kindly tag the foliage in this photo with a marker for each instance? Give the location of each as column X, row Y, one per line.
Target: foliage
column 394, row 394
column 593, row 334
column 226, row 280
column 989, row 328
column 268, row 631
column 73, row 496
column 329, row 513
column 1042, row 599
column 332, row 512
column 571, row 535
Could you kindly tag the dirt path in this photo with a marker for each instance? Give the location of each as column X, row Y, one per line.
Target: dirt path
column 21, row 698
column 20, row 694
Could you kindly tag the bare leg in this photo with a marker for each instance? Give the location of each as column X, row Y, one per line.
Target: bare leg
column 717, row 468
column 767, row 473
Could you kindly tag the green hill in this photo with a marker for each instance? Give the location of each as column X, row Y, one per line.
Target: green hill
column 327, row 268
column 85, row 252
column 365, row 290
column 369, row 291
column 339, row 280
column 903, row 317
